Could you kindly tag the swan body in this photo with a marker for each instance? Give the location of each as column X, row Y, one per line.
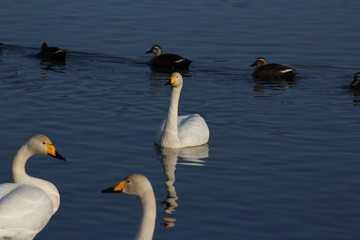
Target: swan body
column 27, row 204
column 138, row 185
column 170, row 61
column 264, row 70
column 181, row 131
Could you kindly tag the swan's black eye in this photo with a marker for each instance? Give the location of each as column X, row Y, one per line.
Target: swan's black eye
column 43, row 142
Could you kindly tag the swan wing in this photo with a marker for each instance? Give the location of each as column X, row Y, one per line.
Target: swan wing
column 24, row 209
column 193, row 130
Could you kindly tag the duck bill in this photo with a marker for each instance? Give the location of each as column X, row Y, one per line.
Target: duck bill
column 355, row 83
column 148, row 51
column 252, row 65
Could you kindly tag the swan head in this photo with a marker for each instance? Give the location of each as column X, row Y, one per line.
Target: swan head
column 135, row 184
column 260, row 61
column 41, row 144
column 156, row 49
column 176, row 80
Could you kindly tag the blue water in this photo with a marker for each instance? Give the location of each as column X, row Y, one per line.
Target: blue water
column 283, row 158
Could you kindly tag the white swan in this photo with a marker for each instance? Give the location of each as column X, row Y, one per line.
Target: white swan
column 181, row 131
column 140, row 186
column 27, row 204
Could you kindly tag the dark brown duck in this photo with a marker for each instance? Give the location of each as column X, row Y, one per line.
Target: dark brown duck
column 264, row 70
column 169, row 61
column 52, row 53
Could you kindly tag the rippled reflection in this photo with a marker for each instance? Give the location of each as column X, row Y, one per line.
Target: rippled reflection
column 192, row 156
column 270, row 84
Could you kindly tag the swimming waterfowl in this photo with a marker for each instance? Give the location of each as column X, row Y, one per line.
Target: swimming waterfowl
column 27, row 204
column 180, row 131
column 52, row 53
column 170, row 61
column 139, row 186
column 355, row 84
column 264, row 70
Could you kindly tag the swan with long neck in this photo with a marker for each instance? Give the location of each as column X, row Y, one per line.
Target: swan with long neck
column 138, row 185
column 181, row 131
column 27, row 204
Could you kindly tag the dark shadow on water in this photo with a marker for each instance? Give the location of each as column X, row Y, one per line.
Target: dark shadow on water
column 73, row 57
column 261, row 85
column 164, row 73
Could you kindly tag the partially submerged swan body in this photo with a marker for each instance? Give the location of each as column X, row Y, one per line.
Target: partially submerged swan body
column 181, row 131
column 27, row 204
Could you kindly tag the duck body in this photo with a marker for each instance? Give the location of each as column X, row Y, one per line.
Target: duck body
column 27, row 204
column 180, row 131
column 355, row 84
column 52, row 53
column 270, row 71
column 168, row 61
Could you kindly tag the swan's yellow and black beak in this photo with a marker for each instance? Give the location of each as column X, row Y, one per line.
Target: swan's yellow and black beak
column 171, row 81
column 51, row 150
column 118, row 188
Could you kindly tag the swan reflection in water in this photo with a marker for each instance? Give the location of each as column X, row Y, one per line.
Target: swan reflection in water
column 191, row 156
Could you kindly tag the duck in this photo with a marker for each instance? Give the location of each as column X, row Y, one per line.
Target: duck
column 355, row 84
column 264, row 70
column 180, row 131
column 168, row 61
column 51, row 53
column 139, row 186
column 27, row 203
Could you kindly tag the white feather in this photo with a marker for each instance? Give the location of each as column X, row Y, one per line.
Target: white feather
column 287, row 70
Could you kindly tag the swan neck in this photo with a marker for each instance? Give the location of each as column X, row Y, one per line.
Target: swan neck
column 147, row 224
column 18, row 172
column 19, row 175
column 171, row 125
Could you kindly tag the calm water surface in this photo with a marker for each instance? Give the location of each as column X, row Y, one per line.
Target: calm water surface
column 283, row 158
